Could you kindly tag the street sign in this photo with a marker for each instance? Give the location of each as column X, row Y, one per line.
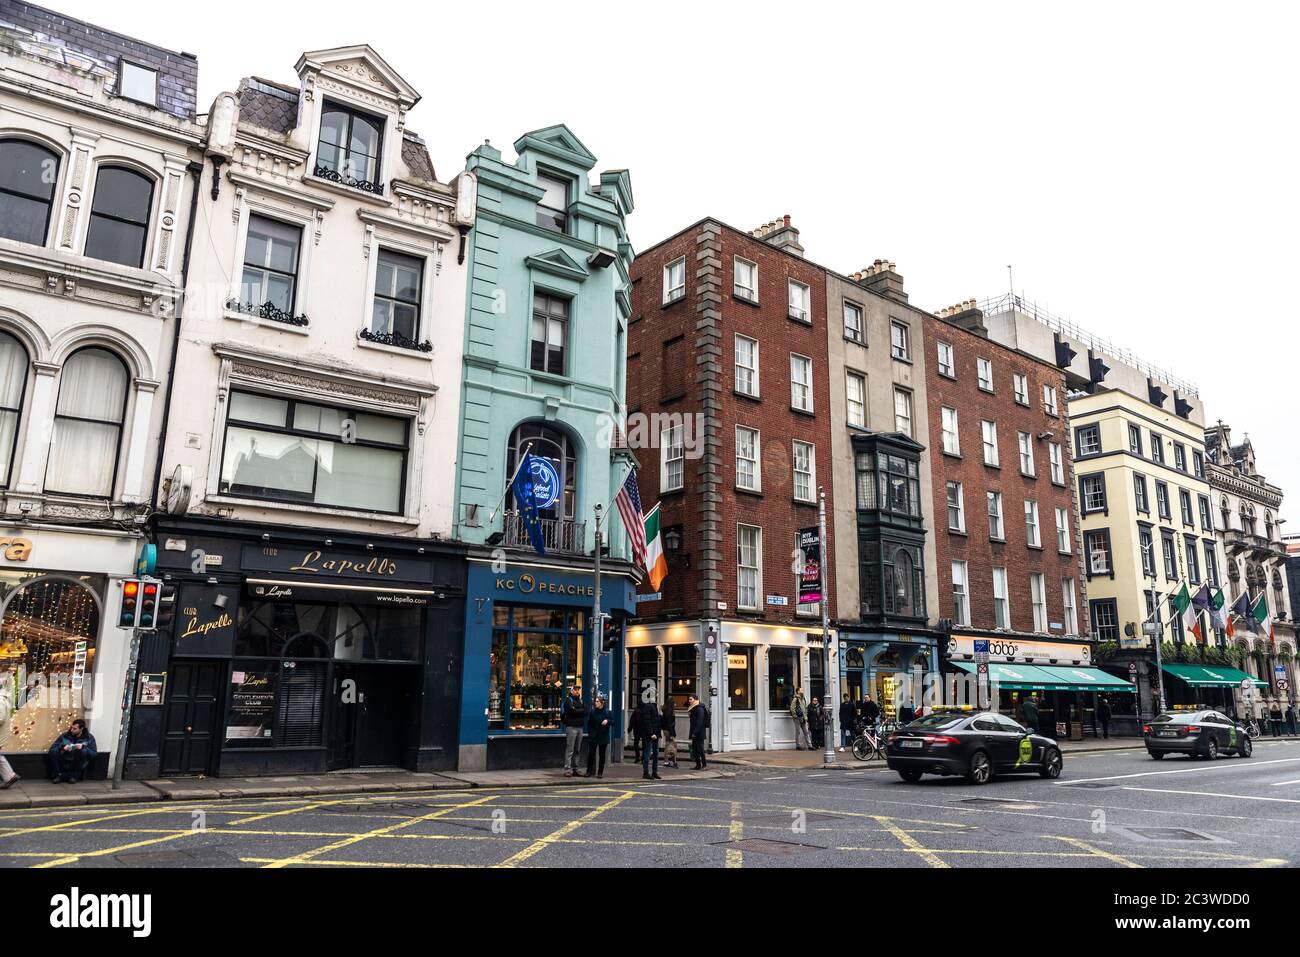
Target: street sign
column 710, row 654
column 982, row 655
column 1152, row 628
column 1132, row 669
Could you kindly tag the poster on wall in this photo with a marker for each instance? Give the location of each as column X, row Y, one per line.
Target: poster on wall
column 151, row 689
column 810, row 578
column 252, row 707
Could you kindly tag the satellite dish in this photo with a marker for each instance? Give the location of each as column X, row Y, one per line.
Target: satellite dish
column 179, row 488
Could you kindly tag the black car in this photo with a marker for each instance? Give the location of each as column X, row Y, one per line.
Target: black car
column 975, row 746
column 1204, row 734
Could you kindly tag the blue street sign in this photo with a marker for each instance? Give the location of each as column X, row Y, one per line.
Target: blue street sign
column 546, row 482
column 981, row 646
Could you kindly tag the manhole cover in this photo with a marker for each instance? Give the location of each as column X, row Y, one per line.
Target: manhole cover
column 1097, row 785
column 385, row 806
column 1167, row 834
column 762, row 845
column 786, row 819
column 1002, row 803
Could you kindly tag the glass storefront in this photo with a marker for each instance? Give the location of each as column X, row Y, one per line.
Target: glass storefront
column 643, row 667
column 783, row 677
column 683, row 674
column 537, row 653
column 740, row 679
column 47, row 650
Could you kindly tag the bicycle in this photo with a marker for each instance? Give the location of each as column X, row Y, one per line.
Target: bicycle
column 1251, row 727
column 868, row 742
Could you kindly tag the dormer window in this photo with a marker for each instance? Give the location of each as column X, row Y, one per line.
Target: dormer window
column 553, row 207
column 348, row 151
column 138, row 83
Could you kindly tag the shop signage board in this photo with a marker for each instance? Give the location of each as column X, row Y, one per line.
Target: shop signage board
column 368, row 568
column 546, row 482
column 738, row 662
column 205, row 620
column 1014, row 648
column 252, row 706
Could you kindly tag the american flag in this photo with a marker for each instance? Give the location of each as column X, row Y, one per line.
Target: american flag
column 628, row 501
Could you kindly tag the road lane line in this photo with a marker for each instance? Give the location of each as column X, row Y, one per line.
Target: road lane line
column 1204, row 767
column 541, row 844
column 735, row 832
column 1214, row 794
column 1097, row 851
column 911, row 843
column 1280, row 784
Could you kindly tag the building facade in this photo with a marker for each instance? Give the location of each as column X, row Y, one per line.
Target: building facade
column 545, row 344
column 728, row 392
column 886, row 599
column 98, row 171
column 1247, row 507
column 308, row 465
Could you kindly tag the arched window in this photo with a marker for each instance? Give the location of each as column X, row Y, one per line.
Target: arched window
column 13, row 383
column 553, row 444
column 1268, row 525
column 28, row 174
column 88, row 424
column 119, row 216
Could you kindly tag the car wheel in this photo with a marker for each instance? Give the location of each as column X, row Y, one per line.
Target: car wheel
column 910, row 775
column 1156, row 755
column 1247, row 747
column 1211, row 749
column 1051, row 764
column 980, row 770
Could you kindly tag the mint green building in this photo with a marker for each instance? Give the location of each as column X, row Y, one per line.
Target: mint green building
column 544, row 370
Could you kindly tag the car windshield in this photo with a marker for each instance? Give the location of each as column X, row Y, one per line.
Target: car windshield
column 936, row 722
column 1173, row 718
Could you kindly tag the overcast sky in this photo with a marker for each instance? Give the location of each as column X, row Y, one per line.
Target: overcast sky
column 1135, row 163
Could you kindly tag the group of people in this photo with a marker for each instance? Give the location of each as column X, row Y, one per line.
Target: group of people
column 651, row 727
column 1280, row 722
column 69, row 757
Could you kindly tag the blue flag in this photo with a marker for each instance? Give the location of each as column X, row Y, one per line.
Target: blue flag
column 526, row 501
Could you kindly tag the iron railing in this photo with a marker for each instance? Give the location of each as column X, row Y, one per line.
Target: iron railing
column 558, row 534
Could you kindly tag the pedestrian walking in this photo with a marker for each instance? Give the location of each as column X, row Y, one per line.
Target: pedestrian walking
column 1275, row 719
column 816, row 725
column 573, row 716
column 799, row 711
column 1103, row 716
column 670, row 732
column 649, row 725
column 699, row 727
column 8, row 776
column 848, row 718
column 1030, row 710
column 597, row 728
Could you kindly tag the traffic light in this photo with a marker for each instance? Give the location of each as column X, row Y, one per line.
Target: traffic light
column 148, row 603
column 130, row 613
column 612, row 629
column 166, row 606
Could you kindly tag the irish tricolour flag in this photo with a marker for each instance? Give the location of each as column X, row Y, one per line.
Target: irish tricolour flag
column 655, row 563
column 1261, row 615
column 1182, row 603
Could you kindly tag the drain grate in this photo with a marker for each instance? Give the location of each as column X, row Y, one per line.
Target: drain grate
column 1096, row 785
column 763, row 845
column 1168, row 834
column 377, row 806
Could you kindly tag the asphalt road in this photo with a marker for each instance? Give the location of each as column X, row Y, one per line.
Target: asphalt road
column 1109, row 809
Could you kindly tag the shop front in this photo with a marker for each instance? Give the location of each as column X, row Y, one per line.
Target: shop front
column 528, row 633
column 290, row 652
column 1200, row 687
column 885, row 666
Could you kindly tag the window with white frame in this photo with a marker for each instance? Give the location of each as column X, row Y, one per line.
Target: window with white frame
column 956, row 508
column 951, row 439
column 746, row 365
column 1001, row 610
column 960, row 599
column 1093, row 488
column 138, row 83
column 1026, row 453
column 747, row 471
column 672, row 472
column 1157, row 448
column 945, row 361
column 1038, row 599
column 996, row 530
column 395, row 311
column 1135, row 439
column 989, row 431
column 1057, row 463
column 853, row 321
column 1063, row 530
column 675, row 280
column 900, row 340
column 1097, row 545
column 553, row 207
column 855, row 387
column 800, row 301
column 984, row 370
column 1032, row 536
column 903, row 411
column 1049, row 399
column 1089, row 439
column 1068, row 606
column 86, row 441
column 804, row 468
column 1020, row 386
column 801, row 397
column 749, row 559
column 746, row 280
column 1140, row 500
column 270, row 273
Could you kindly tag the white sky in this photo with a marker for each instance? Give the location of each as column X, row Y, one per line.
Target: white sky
column 1136, row 163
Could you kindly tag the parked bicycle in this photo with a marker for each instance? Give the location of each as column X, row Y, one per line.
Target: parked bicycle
column 869, row 743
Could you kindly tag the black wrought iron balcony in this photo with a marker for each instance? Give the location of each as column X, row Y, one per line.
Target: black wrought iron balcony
column 334, row 176
column 397, row 340
column 267, row 311
column 558, row 534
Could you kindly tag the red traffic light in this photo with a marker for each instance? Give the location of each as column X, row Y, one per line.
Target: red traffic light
column 130, row 588
column 150, row 590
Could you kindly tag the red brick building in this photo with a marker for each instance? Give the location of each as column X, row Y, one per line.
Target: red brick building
column 729, row 416
column 1007, row 541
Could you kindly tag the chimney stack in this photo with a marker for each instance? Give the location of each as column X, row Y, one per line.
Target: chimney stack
column 882, row 278
column 781, row 234
column 966, row 315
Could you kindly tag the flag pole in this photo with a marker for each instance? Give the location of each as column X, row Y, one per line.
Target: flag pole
column 509, row 482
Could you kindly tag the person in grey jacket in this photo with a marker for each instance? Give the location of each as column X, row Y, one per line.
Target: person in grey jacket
column 573, row 715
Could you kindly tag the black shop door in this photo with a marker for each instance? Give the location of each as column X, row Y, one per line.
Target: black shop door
column 371, row 705
column 192, row 725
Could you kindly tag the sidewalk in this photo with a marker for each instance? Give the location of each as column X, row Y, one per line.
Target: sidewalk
column 29, row 793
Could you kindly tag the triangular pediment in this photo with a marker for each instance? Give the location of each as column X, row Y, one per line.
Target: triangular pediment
column 362, row 66
column 559, row 142
column 559, row 263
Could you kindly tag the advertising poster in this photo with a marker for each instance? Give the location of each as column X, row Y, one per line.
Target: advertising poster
column 810, row 579
column 252, row 707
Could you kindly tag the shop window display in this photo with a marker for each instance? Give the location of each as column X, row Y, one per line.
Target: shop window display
column 683, row 674
column 536, row 654
column 47, row 650
column 740, row 679
column 783, row 677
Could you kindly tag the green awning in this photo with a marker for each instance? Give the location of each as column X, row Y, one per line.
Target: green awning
column 1211, row 676
column 1048, row 677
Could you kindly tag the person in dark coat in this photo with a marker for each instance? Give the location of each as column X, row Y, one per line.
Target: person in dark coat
column 1030, row 710
column 1103, row 716
column 1290, row 718
column 816, row 725
column 1275, row 719
column 870, row 712
column 71, row 754
column 597, row 729
column 906, row 713
column 649, row 725
column 848, row 718
column 699, row 728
